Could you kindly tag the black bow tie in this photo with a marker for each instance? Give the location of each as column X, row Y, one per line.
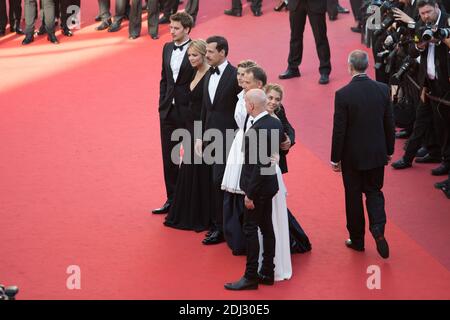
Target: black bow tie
column 215, row 70
column 175, row 47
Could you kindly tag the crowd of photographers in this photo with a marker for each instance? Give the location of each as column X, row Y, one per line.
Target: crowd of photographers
column 410, row 40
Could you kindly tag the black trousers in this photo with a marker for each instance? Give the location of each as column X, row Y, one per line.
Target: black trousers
column 64, row 7
column 218, row 170
column 236, row 5
column 260, row 217
column 369, row 182
column 15, row 13
column 332, row 7
column 356, row 9
column 168, row 125
column 153, row 16
column 297, row 19
column 441, row 115
column 135, row 24
column 120, row 9
column 423, row 134
column 169, row 7
column 192, row 8
column 31, row 14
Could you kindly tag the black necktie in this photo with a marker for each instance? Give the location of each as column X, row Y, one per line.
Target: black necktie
column 175, row 47
column 215, row 70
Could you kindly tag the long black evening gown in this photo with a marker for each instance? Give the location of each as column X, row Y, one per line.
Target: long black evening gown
column 192, row 205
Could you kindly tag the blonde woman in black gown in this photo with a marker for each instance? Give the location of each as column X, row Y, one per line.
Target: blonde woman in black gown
column 192, row 206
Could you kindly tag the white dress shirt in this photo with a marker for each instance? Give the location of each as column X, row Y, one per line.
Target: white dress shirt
column 214, row 80
column 431, row 67
column 177, row 59
column 252, row 121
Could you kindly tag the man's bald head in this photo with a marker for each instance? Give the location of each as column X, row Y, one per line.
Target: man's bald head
column 255, row 101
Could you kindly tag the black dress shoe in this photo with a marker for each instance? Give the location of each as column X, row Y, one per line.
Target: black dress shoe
column 16, row 28
column 67, row 32
column 209, row 233
column 446, row 190
column 154, row 36
column 233, row 13
column 401, row 164
column 52, row 38
column 324, row 78
column 442, row 184
column 98, row 18
column 164, row 20
column 104, row 25
column 333, row 18
column 29, row 38
column 442, row 170
column 342, row 9
column 2, row 32
column 351, row 245
column 266, row 280
column 382, row 247
column 356, row 29
column 428, row 159
column 215, row 238
column 242, row 284
column 290, row 73
column 280, row 7
column 164, row 209
column 115, row 26
column 422, row 152
column 257, row 13
column 133, row 36
column 402, row 134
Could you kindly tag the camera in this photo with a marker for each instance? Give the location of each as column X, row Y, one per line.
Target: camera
column 429, row 32
column 8, row 293
column 387, row 13
column 406, row 64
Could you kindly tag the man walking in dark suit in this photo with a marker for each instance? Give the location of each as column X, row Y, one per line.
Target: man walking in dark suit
column 315, row 11
column 260, row 184
column 219, row 102
column 363, row 143
column 176, row 75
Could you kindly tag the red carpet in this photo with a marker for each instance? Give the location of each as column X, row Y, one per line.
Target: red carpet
column 80, row 169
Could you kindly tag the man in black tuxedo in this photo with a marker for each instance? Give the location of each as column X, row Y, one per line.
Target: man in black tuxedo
column 219, row 102
column 363, row 143
column 176, row 75
column 236, row 8
column 15, row 13
column 260, row 184
column 315, row 11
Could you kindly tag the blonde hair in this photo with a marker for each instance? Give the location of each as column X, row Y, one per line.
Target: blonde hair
column 275, row 87
column 198, row 45
column 247, row 64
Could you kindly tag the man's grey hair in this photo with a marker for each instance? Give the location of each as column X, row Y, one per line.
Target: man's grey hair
column 359, row 60
column 258, row 97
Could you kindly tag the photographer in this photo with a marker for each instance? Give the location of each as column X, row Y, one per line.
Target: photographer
column 432, row 30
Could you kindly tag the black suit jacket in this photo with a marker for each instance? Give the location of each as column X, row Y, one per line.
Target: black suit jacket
column 254, row 182
column 314, row 6
column 440, row 59
column 168, row 89
column 289, row 130
column 363, row 131
column 219, row 114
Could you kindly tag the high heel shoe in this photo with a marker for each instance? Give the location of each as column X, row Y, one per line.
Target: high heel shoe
column 280, row 7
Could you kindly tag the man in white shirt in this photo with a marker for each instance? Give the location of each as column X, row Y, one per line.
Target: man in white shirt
column 176, row 77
